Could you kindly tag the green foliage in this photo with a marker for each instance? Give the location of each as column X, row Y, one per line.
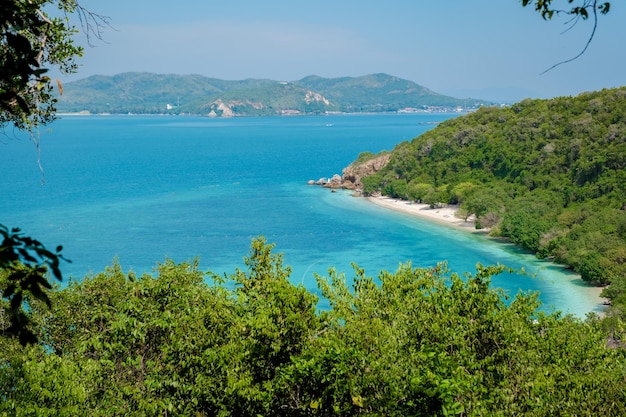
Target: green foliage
column 550, row 175
column 488, row 205
column 413, row 342
column 396, row 189
column 41, row 384
column 30, row 42
column 429, row 344
column 590, row 268
column 417, row 191
column 364, row 157
column 276, row 320
column 583, row 9
column 24, row 264
column 371, row 184
column 460, row 192
column 530, row 218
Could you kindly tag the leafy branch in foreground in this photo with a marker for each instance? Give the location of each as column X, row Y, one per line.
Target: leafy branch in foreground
column 31, row 42
column 24, row 263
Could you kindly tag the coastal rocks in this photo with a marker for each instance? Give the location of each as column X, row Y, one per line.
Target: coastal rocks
column 219, row 108
column 322, row 181
column 334, row 182
column 352, row 174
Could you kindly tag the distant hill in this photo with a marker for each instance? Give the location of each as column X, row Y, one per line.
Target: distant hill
column 381, row 92
column 147, row 93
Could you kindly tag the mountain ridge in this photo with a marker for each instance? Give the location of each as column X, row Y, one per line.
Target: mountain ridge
column 150, row 93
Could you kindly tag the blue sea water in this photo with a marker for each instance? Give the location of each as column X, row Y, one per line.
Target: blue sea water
column 147, row 188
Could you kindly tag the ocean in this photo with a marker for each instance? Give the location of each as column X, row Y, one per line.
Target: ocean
column 143, row 189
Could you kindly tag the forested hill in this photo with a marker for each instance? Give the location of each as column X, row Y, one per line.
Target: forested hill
column 146, row 93
column 550, row 175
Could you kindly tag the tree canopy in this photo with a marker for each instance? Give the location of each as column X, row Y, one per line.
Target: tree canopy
column 31, row 42
column 36, row 36
column 417, row 341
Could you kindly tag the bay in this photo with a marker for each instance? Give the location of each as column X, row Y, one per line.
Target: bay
column 147, row 188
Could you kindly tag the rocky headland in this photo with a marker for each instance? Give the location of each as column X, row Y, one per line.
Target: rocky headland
column 350, row 178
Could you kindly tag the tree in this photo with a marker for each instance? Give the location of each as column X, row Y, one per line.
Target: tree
column 31, row 42
column 486, row 204
column 24, row 263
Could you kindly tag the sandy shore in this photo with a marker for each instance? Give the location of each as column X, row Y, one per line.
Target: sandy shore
column 446, row 215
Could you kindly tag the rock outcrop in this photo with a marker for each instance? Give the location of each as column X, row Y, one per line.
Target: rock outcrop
column 312, row 96
column 220, row 109
column 353, row 173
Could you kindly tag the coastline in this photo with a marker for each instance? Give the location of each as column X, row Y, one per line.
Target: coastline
column 447, row 215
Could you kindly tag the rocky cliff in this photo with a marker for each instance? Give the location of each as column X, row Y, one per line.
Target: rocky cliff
column 353, row 173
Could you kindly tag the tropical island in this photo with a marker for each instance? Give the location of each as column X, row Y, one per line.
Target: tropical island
column 548, row 175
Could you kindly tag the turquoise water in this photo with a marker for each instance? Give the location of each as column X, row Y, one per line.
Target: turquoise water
column 144, row 189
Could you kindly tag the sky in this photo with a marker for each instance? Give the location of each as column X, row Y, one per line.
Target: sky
column 486, row 49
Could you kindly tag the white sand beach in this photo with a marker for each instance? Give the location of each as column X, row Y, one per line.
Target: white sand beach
column 445, row 214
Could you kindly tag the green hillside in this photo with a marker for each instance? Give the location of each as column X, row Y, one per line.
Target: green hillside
column 265, row 100
column 381, row 92
column 142, row 92
column 550, row 175
column 147, row 93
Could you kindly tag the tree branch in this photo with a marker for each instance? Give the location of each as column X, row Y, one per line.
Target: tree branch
column 44, row 37
column 93, row 24
column 593, row 32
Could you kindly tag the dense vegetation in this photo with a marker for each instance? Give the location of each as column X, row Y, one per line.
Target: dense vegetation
column 194, row 94
column 414, row 342
column 550, row 175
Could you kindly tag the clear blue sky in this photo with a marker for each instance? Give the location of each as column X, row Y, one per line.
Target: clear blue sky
column 480, row 48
